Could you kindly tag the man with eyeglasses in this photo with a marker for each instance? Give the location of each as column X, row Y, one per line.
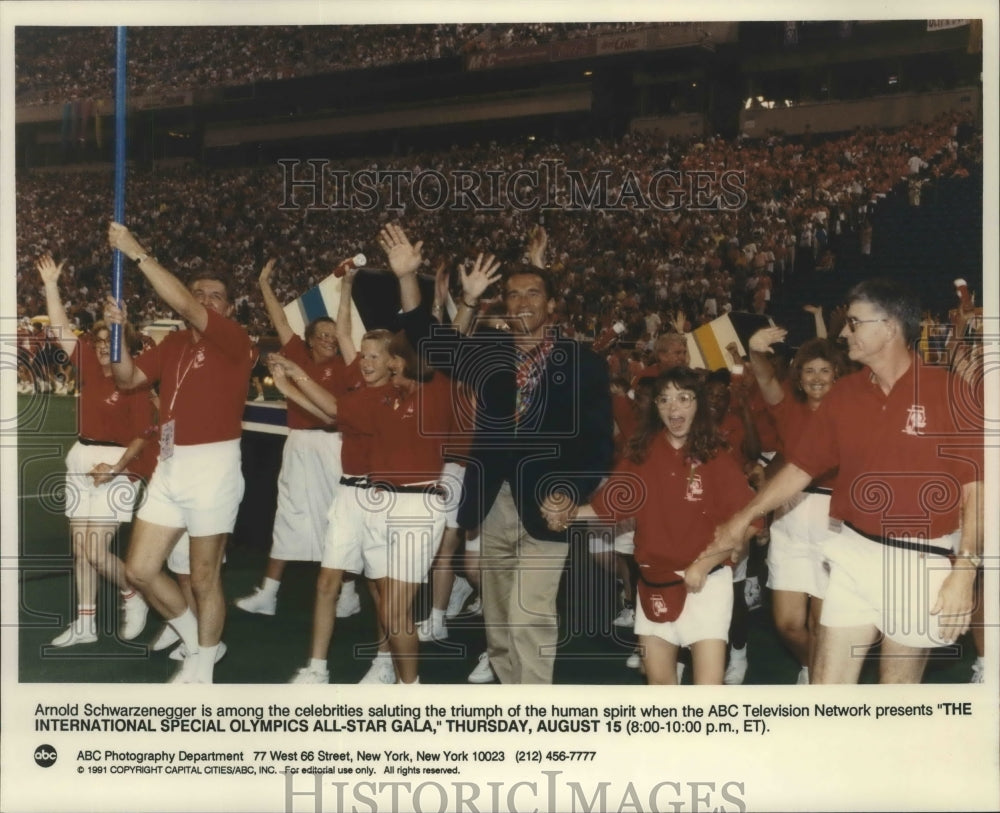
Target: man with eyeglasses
column 907, row 439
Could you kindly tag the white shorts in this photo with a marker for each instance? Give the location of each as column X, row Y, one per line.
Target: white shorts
column 198, row 488
column 402, row 534
column 474, row 543
column 705, row 617
column 308, row 480
column 452, row 477
column 600, row 541
column 890, row 588
column 625, row 537
column 795, row 558
column 345, row 530
column 111, row 503
column 179, row 560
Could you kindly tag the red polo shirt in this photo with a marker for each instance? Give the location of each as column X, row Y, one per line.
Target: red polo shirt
column 355, row 453
column 107, row 413
column 903, row 457
column 791, row 416
column 203, row 383
column 676, row 504
column 330, row 374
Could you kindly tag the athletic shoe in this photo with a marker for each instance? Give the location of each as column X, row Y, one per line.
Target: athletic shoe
column 736, row 671
column 134, row 611
column 460, row 592
column 978, row 673
column 186, row 672
column 803, row 678
column 476, row 608
column 76, row 633
column 165, row 638
column 309, row 675
column 348, row 604
column 626, row 618
column 258, row 602
column 180, row 654
column 381, row 671
column 634, row 661
column 483, row 673
column 427, row 630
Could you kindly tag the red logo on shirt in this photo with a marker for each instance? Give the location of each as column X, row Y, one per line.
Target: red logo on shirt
column 916, row 420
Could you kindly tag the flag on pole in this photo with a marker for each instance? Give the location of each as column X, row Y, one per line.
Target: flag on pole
column 707, row 344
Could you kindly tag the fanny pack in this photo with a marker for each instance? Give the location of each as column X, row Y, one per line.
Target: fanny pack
column 662, row 592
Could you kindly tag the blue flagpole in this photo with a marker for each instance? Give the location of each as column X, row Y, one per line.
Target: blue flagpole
column 116, row 269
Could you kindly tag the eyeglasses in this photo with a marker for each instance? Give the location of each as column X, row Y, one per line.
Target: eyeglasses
column 682, row 398
column 853, row 322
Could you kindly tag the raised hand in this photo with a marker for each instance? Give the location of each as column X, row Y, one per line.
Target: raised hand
column 404, row 257
column 536, row 246
column 483, row 274
column 813, row 309
column 121, row 238
column 114, row 311
column 48, row 270
column 762, row 340
column 265, row 273
column 278, row 363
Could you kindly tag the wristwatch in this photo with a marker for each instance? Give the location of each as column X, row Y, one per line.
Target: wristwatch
column 974, row 558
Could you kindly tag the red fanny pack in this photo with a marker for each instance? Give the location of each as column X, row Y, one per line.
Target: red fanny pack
column 661, row 592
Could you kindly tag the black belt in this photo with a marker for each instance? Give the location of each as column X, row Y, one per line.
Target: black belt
column 92, row 442
column 429, row 488
column 901, row 543
column 318, row 429
column 357, row 482
column 675, row 582
column 818, row 490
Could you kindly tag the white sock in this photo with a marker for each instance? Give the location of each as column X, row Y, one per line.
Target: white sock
column 383, row 655
column 270, row 586
column 128, row 594
column 186, row 626
column 738, row 653
column 979, row 662
column 317, row 665
column 205, row 664
column 414, row 683
column 348, row 589
column 437, row 617
column 86, row 615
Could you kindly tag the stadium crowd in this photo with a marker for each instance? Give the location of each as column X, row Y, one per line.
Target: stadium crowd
column 56, row 65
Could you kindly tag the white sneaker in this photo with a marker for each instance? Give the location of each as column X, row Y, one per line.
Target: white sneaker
column 134, row 612
column 626, row 618
column 803, row 678
column 187, row 672
column 483, row 673
column 180, row 654
column 348, row 604
column 634, row 661
column 460, row 592
column 381, row 671
column 736, row 671
column 309, row 675
column 76, row 633
column 476, row 608
column 427, row 630
column 165, row 638
column 978, row 673
column 258, row 602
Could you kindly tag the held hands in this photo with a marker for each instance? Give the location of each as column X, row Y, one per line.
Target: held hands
column 482, row 275
column 121, row 238
column 102, row 473
column 48, row 270
column 278, row 364
column 762, row 340
column 404, row 257
column 730, row 536
column 558, row 511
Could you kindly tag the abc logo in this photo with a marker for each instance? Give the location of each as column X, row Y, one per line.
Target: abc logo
column 45, row 756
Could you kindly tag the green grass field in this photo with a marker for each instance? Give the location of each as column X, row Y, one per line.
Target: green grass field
column 269, row 649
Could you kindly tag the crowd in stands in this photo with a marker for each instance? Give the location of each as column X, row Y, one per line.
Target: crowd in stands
column 645, row 268
column 56, row 65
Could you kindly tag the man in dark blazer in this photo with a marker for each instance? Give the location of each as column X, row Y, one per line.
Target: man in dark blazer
column 543, row 430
